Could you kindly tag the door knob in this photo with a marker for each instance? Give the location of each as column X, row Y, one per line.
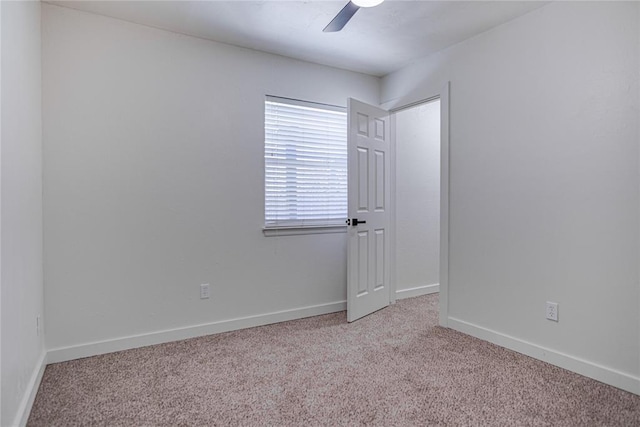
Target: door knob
column 355, row 221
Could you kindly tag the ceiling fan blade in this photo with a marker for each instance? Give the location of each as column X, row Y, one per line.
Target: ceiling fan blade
column 341, row 18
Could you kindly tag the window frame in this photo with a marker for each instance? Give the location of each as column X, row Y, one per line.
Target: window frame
column 297, row 229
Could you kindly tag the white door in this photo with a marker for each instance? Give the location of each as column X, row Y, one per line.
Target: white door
column 369, row 213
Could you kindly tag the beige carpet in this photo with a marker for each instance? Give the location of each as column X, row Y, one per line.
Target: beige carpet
column 395, row 367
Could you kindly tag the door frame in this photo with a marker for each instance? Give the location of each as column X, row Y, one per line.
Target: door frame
column 443, row 96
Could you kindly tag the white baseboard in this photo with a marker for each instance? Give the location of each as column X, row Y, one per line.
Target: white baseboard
column 589, row 369
column 62, row 354
column 22, row 416
column 417, row 291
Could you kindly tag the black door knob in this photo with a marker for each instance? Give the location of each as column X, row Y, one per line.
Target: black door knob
column 355, row 222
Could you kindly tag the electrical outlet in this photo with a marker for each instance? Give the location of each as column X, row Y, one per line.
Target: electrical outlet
column 204, row 291
column 552, row 311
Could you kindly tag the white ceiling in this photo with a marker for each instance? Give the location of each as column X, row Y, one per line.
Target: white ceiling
column 376, row 41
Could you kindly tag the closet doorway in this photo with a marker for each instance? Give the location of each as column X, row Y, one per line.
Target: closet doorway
column 417, row 199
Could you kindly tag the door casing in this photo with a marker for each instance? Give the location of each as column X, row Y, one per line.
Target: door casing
column 443, row 95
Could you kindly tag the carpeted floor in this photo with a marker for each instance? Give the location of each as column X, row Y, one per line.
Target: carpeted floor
column 393, row 368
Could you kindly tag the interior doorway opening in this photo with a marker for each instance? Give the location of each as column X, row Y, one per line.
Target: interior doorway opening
column 417, row 199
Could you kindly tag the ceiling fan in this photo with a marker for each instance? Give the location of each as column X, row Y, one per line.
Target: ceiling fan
column 347, row 13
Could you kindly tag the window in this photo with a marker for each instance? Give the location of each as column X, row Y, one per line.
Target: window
column 305, row 154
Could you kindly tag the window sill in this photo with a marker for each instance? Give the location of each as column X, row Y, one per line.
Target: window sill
column 298, row 231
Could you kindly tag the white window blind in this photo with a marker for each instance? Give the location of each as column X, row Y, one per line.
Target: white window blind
column 305, row 153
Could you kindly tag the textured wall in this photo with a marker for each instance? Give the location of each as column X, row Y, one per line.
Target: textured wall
column 21, row 224
column 544, row 178
column 154, row 181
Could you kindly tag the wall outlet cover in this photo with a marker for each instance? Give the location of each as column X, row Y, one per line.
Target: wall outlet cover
column 552, row 311
column 204, row 291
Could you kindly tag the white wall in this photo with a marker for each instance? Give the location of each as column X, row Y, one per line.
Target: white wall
column 21, row 213
column 544, row 183
column 153, row 183
column 418, row 198
column 0, row 212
